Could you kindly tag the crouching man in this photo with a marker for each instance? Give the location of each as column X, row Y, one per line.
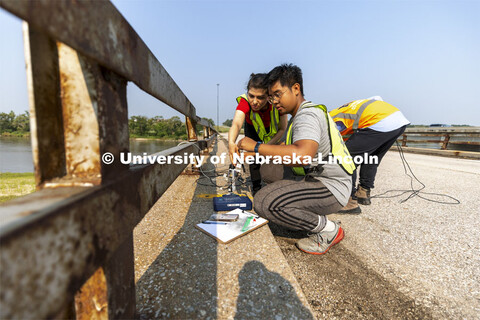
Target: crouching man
column 303, row 203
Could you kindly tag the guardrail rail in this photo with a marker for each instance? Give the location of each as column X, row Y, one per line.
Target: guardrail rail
column 468, row 138
column 67, row 249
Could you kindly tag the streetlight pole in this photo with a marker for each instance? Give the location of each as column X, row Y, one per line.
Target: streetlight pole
column 218, row 90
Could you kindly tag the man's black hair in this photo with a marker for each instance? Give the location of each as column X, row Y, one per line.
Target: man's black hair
column 287, row 74
column 257, row 81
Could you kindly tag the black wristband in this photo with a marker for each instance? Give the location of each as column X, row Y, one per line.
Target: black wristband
column 256, row 146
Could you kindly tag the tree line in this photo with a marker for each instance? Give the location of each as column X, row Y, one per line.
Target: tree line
column 139, row 126
column 158, row 127
column 16, row 125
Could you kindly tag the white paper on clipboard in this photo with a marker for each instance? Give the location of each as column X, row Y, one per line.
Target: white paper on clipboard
column 231, row 230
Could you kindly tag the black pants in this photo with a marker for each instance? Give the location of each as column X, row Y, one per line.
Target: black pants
column 254, row 168
column 373, row 143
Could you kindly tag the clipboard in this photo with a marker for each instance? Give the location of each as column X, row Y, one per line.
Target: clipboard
column 228, row 231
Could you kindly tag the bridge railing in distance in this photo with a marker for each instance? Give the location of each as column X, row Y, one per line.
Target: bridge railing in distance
column 67, row 249
column 444, row 138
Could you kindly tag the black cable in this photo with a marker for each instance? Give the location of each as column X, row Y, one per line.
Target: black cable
column 218, row 174
column 213, row 184
column 412, row 191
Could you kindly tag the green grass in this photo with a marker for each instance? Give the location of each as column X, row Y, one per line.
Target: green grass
column 16, row 134
column 182, row 138
column 222, row 129
column 14, row 185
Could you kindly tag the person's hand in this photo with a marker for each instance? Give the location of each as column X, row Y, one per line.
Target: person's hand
column 232, row 148
column 247, row 144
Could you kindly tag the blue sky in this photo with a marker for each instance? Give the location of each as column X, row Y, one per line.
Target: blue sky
column 421, row 56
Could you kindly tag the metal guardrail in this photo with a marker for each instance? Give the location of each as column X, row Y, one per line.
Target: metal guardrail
column 441, row 136
column 67, row 249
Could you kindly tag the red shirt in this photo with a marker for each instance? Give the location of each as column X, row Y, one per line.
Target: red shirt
column 244, row 106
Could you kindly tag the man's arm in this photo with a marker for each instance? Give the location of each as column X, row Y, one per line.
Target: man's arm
column 300, row 148
column 282, row 126
column 237, row 124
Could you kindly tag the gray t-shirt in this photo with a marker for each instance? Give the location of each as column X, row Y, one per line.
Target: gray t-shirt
column 311, row 124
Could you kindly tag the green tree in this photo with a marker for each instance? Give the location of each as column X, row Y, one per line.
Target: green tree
column 138, row 125
column 212, row 123
column 158, row 127
column 21, row 123
column 228, row 122
column 6, row 122
column 200, row 127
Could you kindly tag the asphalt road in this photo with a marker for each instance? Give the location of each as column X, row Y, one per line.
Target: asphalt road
column 416, row 259
column 413, row 260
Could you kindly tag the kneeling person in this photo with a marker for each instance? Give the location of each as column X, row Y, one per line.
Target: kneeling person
column 262, row 122
column 303, row 204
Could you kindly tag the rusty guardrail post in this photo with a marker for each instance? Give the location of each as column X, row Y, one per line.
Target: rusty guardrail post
column 404, row 140
column 79, row 112
column 191, row 136
column 205, row 133
column 191, row 129
column 446, row 138
column 96, row 123
column 46, row 121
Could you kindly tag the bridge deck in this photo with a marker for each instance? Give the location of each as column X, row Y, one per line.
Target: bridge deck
column 425, row 251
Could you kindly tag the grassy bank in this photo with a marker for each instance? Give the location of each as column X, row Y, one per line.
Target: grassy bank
column 13, row 185
column 140, row 138
column 223, row 129
column 16, row 134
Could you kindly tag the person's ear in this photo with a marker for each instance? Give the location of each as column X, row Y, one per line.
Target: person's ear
column 296, row 89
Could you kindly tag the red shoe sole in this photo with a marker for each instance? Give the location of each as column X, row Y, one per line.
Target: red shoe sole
column 338, row 238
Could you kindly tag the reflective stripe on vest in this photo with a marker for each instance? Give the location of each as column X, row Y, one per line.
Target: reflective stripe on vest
column 258, row 123
column 354, row 116
column 337, row 145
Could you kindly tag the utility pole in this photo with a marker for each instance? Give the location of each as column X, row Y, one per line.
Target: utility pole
column 218, row 108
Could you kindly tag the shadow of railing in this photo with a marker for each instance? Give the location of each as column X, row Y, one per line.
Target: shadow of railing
column 182, row 281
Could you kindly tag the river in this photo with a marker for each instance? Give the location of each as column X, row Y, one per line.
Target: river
column 16, row 153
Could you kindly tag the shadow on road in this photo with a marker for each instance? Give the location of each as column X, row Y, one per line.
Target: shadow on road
column 264, row 295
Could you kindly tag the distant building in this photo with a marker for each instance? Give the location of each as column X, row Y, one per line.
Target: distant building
column 439, row 125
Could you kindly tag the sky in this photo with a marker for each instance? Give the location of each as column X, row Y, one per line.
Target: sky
column 421, row 56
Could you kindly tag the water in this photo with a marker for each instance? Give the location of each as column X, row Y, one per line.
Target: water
column 16, row 153
column 150, row 146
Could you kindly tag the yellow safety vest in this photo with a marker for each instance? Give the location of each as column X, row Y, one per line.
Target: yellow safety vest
column 258, row 123
column 361, row 114
column 337, row 145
